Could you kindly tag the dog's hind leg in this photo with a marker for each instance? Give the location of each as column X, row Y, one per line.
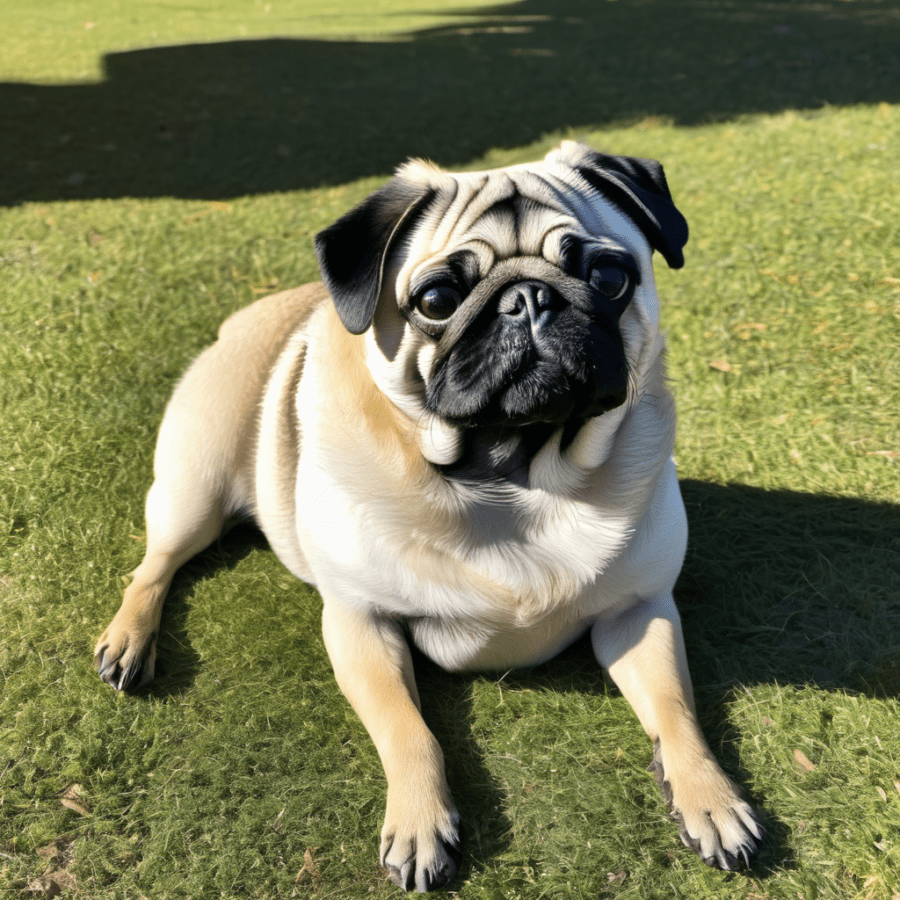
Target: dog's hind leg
column 182, row 520
column 191, row 496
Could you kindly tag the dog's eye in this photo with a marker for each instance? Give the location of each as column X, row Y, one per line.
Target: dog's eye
column 612, row 281
column 439, row 303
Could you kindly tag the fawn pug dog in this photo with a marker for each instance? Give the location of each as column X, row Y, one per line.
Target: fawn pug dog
column 463, row 439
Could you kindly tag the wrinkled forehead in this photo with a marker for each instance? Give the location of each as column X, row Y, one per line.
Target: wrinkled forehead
column 520, row 211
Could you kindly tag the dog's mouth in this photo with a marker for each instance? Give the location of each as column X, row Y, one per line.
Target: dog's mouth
column 531, row 357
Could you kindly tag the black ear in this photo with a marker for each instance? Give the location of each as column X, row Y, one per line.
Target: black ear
column 351, row 252
column 638, row 187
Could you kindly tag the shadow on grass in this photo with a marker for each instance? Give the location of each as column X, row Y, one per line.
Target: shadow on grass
column 177, row 663
column 446, row 708
column 251, row 116
column 791, row 588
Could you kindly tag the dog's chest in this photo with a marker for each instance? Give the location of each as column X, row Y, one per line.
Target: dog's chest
column 504, row 557
column 543, row 551
column 502, row 589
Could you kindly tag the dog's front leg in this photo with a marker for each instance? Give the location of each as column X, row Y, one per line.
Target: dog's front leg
column 643, row 650
column 373, row 666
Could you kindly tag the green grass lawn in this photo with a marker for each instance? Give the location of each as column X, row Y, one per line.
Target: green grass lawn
column 165, row 165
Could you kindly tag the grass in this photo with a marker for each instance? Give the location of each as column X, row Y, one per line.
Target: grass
column 241, row 772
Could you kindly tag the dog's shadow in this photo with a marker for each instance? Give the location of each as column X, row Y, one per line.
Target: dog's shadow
column 778, row 587
column 479, row 797
column 177, row 661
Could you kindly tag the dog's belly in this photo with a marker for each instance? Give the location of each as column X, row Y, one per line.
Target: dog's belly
column 466, row 645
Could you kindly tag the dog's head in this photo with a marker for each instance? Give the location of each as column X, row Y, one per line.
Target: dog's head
column 510, row 298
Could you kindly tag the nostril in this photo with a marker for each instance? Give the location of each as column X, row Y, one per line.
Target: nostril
column 529, row 301
column 514, row 302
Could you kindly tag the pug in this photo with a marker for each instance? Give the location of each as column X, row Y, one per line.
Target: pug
column 463, row 439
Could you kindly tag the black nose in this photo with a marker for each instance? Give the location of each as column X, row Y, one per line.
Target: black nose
column 531, row 303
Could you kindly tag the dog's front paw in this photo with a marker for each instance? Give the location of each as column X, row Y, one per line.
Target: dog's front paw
column 713, row 821
column 125, row 656
column 421, row 853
